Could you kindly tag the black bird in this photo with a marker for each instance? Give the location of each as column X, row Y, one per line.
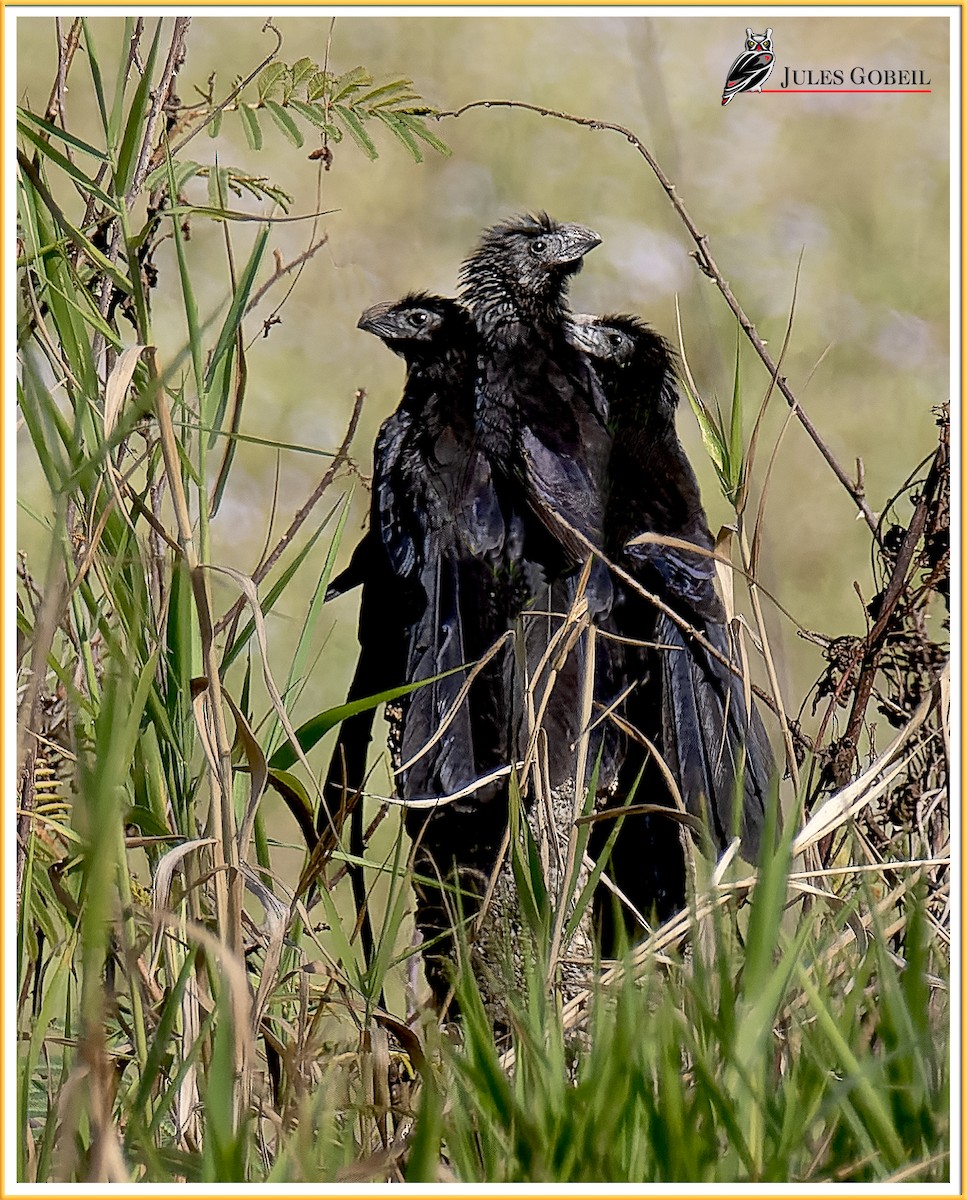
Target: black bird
column 541, row 418
column 430, row 558
column 687, row 701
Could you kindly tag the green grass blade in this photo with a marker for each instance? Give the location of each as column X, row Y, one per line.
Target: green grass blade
column 316, row 728
column 135, row 124
column 226, row 338
column 63, row 135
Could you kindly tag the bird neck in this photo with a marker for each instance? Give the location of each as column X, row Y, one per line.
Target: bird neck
column 439, row 390
column 504, row 314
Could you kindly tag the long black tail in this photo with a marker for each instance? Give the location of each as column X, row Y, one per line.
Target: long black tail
column 709, row 738
column 562, row 716
column 457, row 843
column 437, row 646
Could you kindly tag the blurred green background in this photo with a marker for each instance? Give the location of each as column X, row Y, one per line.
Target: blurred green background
column 858, row 185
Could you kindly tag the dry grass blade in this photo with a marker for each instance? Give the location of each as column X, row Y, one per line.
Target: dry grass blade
column 847, row 802
column 117, row 386
column 567, row 879
column 251, row 595
column 451, row 713
column 258, row 773
column 439, row 801
column 771, row 672
column 273, row 930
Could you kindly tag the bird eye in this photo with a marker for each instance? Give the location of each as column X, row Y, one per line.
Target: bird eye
column 615, row 339
column 766, row 45
column 538, row 245
column 750, row 45
column 418, row 318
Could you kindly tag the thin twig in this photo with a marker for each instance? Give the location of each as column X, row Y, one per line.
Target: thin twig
column 233, row 94
column 342, row 456
column 708, row 265
column 876, row 639
column 161, row 97
column 66, row 49
column 283, row 268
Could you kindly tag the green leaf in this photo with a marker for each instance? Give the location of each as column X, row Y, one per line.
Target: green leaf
column 250, row 123
column 284, row 122
column 187, row 290
column 182, row 171
column 135, row 124
column 218, row 188
column 297, row 801
column 97, row 81
column 161, row 1041
column 355, row 127
column 317, row 85
column 226, row 339
column 396, row 126
column 714, row 445
column 301, row 71
column 735, row 456
column 215, row 124
column 417, row 126
column 270, row 81
column 351, row 81
column 312, row 112
column 395, row 104
column 64, row 164
column 24, row 114
column 297, row 668
column 316, row 728
column 384, row 92
column 274, row 592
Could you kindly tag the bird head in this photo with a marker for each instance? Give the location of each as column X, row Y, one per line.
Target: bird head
column 612, row 339
column 628, row 358
column 418, row 325
column 529, row 258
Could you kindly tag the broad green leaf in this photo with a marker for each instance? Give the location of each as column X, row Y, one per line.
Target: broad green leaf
column 301, row 71
column 396, row 126
column 250, row 123
column 312, row 112
column 317, row 85
column 383, row 92
column 184, row 169
column 351, row 81
column 296, row 798
column 355, row 127
column 270, row 81
column 417, row 126
column 284, row 122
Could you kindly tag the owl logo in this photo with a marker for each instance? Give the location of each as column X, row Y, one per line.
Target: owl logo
column 753, row 66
